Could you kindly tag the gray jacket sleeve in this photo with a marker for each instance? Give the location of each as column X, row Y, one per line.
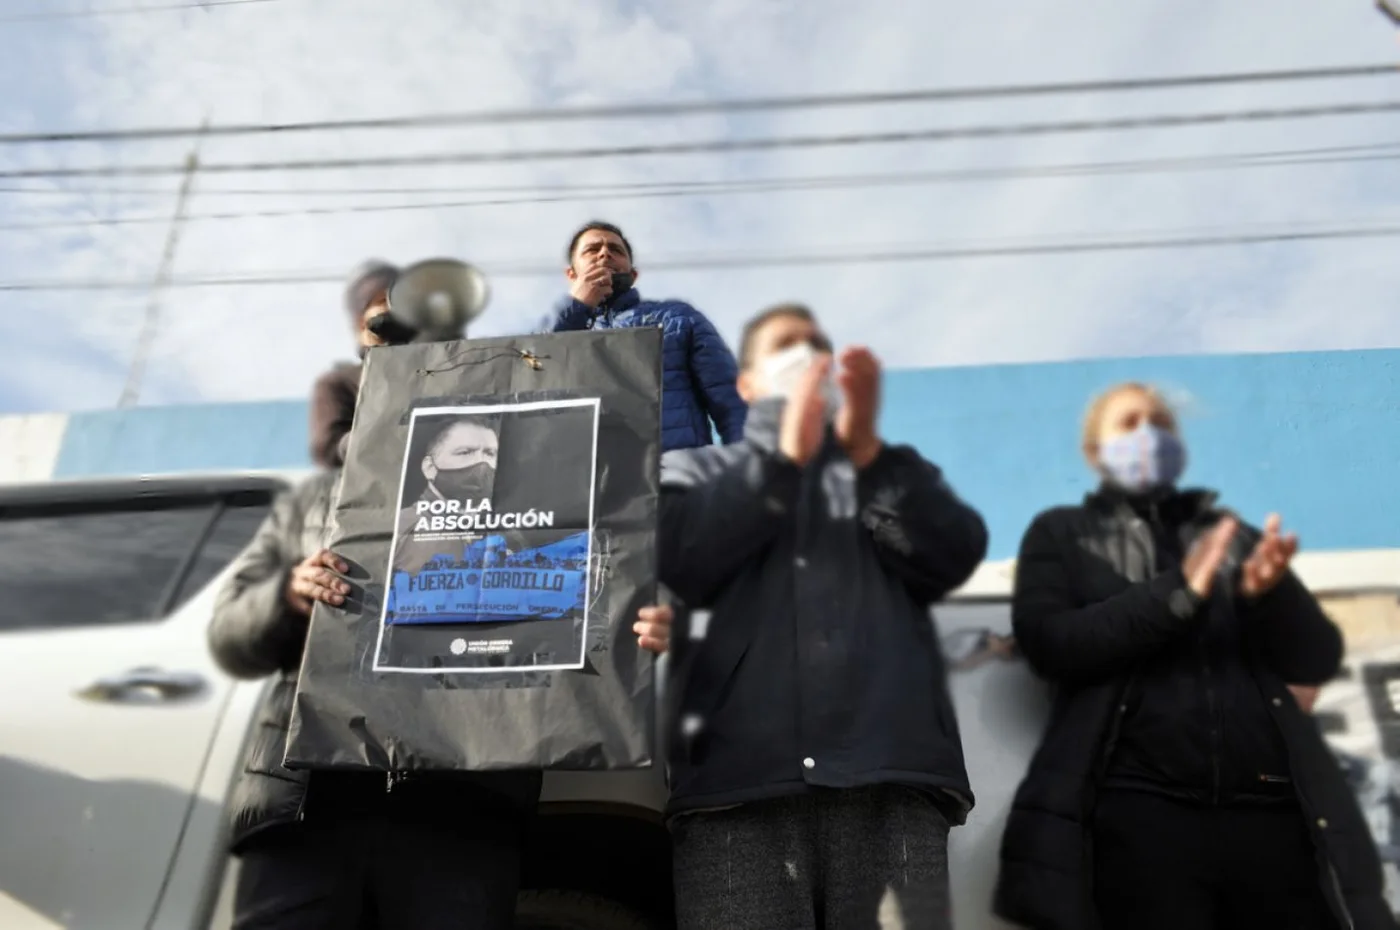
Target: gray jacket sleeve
column 254, row 632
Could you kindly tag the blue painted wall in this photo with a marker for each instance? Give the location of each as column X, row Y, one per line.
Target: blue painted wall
column 148, row 440
column 1315, row 436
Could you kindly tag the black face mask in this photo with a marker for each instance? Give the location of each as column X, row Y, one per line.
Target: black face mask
column 622, row 282
column 387, row 327
column 471, row 483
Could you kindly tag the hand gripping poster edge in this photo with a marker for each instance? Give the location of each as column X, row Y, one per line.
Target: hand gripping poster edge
column 467, row 410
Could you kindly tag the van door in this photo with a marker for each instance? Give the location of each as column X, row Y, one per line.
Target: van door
column 108, row 697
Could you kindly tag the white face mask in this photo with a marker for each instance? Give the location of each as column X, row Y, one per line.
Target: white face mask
column 782, row 370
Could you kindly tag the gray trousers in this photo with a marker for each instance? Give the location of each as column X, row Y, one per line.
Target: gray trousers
column 853, row 859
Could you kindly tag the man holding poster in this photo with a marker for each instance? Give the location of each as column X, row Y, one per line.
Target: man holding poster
column 347, row 848
column 498, row 514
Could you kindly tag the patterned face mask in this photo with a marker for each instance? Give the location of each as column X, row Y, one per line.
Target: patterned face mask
column 1147, row 458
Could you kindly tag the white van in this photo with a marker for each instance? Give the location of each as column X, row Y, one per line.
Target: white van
column 120, row 739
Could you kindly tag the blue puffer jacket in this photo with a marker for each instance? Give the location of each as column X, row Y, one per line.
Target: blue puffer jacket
column 698, row 370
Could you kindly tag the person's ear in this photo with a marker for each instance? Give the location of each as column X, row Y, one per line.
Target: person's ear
column 747, row 386
column 570, row 273
column 635, row 274
column 429, row 469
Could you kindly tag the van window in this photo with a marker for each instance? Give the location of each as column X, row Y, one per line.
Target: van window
column 238, row 521
column 104, row 562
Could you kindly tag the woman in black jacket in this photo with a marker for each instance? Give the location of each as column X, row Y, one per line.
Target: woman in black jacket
column 1178, row 785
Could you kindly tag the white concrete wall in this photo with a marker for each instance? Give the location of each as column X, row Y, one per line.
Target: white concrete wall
column 29, row 446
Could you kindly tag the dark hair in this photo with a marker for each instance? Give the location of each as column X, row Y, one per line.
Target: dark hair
column 368, row 278
column 601, row 227
column 762, row 319
column 487, row 421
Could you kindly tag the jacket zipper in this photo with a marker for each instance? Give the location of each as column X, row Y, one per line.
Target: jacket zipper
column 1111, row 741
column 1137, row 532
column 1213, row 715
column 1115, row 726
column 1120, row 709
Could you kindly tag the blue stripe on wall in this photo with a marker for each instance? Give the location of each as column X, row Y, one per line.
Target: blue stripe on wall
column 150, row 440
column 1315, row 436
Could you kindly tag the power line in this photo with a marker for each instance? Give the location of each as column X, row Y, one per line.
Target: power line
column 1063, row 246
column 733, row 105
column 1345, row 155
column 1248, row 159
column 711, row 146
column 125, row 11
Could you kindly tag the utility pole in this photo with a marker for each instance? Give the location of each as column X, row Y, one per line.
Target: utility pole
column 151, row 323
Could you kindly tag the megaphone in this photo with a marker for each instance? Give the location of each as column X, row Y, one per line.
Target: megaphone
column 432, row 301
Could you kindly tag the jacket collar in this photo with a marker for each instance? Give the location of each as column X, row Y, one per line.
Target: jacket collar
column 764, row 420
column 621, row 303
column 764, row 417
column 1190, row 503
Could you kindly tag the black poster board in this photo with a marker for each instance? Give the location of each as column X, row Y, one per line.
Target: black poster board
column 498, row 510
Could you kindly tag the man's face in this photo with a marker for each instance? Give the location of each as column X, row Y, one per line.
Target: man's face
column 462, row 464
column 599, row 248
column 778, row 336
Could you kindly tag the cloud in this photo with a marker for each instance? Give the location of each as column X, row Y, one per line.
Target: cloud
column 316, row 59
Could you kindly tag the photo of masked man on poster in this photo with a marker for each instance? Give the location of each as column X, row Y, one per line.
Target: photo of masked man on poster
column 493, row 542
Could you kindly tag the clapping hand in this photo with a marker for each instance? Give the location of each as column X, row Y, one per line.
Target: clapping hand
column 1268, row 563
column 858, row 377
column 804, row 418
column 1207, row 555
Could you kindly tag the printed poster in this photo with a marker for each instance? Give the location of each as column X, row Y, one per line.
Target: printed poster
column 490, row 555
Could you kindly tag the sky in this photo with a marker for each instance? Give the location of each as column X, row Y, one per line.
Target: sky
column 296, row 60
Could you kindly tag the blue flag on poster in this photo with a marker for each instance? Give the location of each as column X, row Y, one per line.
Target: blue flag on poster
column 488, row 583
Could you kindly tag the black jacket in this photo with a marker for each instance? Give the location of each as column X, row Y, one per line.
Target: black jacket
column 1197, row 727
column 1091, row 610
column 819, row 665
column 254, row 635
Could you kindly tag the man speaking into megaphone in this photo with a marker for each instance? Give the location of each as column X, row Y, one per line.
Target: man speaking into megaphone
column 430, row 301
column 699, row 369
